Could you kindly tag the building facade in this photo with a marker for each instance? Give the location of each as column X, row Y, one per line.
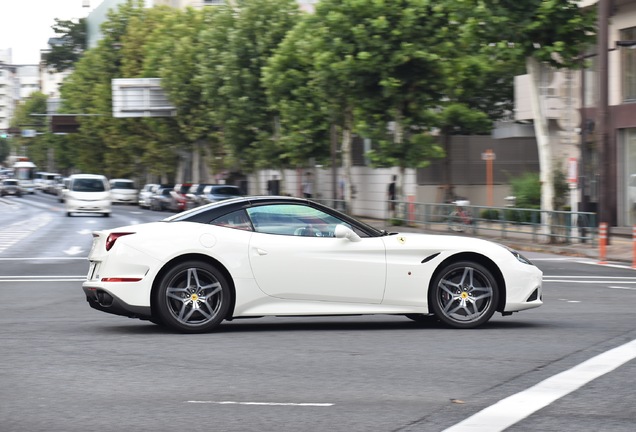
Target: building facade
column 597, row 154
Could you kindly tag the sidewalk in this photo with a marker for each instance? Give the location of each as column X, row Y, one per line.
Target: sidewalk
column 620, row 249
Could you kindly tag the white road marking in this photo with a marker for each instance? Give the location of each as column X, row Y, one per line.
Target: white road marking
column 301, row 404
column 626, row 280
column 17, row 231
column 54, row 279
column 598, row 281
column 623, row 288
column 74, row 250
column 517, row 407
column 42, row 258
column 588, row 261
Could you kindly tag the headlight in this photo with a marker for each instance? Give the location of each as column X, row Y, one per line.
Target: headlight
column 517, row 255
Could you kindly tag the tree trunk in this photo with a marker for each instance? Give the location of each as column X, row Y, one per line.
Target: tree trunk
column 543, row 142
column 346, row 158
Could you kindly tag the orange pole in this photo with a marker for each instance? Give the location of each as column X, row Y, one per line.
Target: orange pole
column 602, row 238
column 634, row 249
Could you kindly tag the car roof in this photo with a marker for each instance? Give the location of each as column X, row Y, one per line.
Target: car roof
column 89, row 176
column 211, row 211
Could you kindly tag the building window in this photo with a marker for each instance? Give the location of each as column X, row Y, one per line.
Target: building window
column 628, row 66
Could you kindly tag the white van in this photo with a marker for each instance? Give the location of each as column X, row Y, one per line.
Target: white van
column 123, row 191
column 88, row 193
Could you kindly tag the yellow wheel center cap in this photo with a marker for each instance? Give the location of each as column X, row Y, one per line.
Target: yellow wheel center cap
column 464, row 295
column 194, row 297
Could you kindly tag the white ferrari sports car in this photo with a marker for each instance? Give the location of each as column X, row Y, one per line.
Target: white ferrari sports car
column 282, row 256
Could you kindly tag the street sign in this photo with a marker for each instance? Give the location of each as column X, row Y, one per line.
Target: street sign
column 488, row 155
column 572, row 171
column 28, row 133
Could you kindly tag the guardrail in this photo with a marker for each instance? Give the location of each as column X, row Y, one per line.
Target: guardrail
column 564, row 227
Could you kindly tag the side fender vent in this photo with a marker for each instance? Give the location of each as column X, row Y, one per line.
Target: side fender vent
column 430, row 257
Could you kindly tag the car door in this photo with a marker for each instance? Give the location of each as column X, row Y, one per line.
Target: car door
column 290, row 263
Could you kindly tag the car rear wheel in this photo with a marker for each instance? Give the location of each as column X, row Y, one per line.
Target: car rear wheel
column 464, row 295
column 193, row 297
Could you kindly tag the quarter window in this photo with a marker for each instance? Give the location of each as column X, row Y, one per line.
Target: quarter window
column 236, row 220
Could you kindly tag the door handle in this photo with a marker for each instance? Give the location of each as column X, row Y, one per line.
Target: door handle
column 261, row 251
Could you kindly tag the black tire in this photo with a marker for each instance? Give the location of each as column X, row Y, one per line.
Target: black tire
column 464, row 295
column 68, row 214
column 193, row 283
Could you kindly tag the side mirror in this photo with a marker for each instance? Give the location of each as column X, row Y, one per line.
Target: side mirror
column 344, row 232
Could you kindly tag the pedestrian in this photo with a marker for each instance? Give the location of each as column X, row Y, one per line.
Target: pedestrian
column 273, row 186
column 307, row 186
column 392, row 195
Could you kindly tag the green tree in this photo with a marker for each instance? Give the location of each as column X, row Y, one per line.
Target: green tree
column 31, row 114
column 539, row 33
column 179, row 34
column 5, row 149
column 241, row 38
column 304, row 123
column 117, row 147
column 69, row 45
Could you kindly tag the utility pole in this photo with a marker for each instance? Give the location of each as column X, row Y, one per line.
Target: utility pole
column 604, row 166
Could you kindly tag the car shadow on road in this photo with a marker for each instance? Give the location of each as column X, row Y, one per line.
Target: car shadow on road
column 317, row 324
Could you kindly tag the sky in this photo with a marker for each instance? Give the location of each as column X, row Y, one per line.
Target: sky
column 25, row 25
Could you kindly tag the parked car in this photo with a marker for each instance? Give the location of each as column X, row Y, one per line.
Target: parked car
column 123, row 191
column 50, row 184
column 143, row 199
column 10, row 186
column 162, row 198
column 62, row 188
column 274, row 256
column 214, row 193
column 195, row 195
column 179, row 199
column 88, row 193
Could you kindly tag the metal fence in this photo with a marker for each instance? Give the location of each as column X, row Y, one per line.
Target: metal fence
column 564, row 227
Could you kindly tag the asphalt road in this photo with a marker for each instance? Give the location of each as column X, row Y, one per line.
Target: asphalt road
column 65, row 367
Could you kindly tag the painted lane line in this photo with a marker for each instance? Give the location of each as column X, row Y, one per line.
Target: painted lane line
column 588, row 277
column 42, row 280
column 599, row 281
column 39, row 277
column 44, row 258
column 301, row 404
column 517, row 407
column 623, row 288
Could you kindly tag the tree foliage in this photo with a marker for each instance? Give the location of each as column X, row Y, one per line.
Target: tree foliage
column 69, row 45
column 258, row 84
column 242, row 37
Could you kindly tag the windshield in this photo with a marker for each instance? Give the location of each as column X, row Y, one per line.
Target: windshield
column 88, row 185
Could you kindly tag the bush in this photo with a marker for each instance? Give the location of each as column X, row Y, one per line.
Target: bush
column 489, row 214
column 527, row 190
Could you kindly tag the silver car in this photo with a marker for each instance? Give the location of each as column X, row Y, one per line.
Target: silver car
column 10, row 187
column 146, row 193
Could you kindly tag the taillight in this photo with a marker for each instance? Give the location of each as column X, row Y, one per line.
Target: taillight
column 112, row 238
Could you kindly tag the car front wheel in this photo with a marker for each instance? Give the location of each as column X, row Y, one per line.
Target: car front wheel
column 193, row 297
column 464, row 295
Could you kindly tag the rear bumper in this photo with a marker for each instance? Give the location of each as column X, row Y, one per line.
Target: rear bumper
column 104, row 301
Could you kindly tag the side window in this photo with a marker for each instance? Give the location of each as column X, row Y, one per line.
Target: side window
column 236, row 220
column 293, row 219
